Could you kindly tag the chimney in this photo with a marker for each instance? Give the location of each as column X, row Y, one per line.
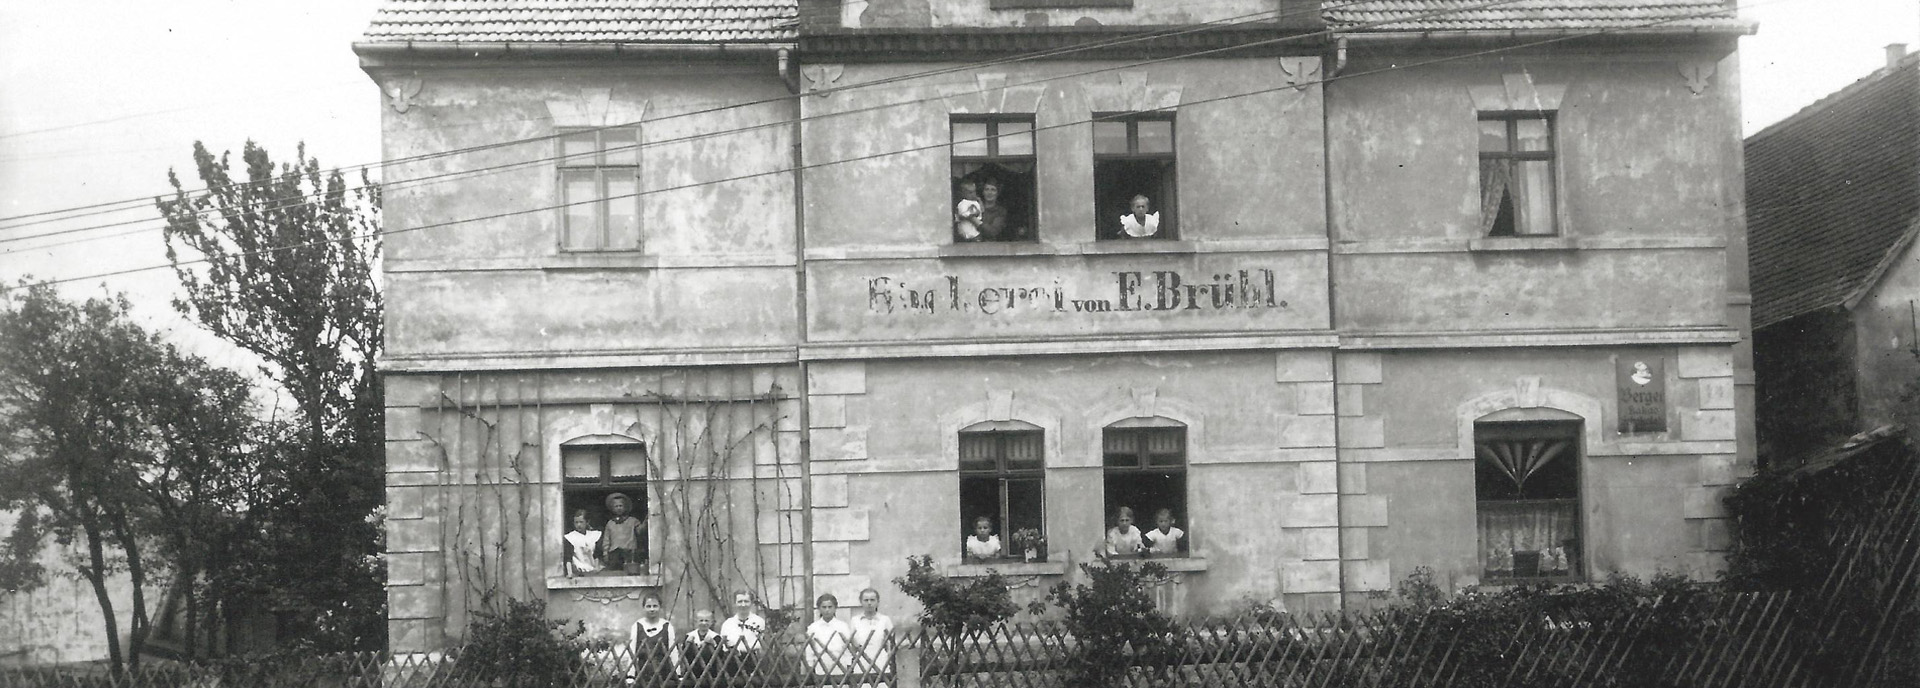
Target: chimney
column 1895, row 51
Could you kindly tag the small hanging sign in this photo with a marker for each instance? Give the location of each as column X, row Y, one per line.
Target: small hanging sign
column 1642, row 386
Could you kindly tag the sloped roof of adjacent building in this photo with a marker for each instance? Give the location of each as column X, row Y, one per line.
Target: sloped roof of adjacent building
column 585, row 21
column 1833, row 194
column 1532, row 15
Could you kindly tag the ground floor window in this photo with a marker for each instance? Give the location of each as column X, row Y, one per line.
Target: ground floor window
column 1003, row 495
column 604, row 495
column 1145, row 486
column 1527, row 492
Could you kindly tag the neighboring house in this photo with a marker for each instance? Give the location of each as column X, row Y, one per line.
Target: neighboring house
column 1833, row 203
column 1346, row 290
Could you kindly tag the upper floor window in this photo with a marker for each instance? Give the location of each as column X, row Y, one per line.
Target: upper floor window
column 600, row 189
column 1527, row 492
column 994, row 194
column 1146, row 487
column 1516, row 174
column 1134, row 189
column 1003, row 491
column 604, row 493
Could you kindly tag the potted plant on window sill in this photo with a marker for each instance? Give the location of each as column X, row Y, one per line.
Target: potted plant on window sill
column 1029, row 545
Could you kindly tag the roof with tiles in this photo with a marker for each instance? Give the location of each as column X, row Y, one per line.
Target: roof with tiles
column 1531, row 15
column 585, row 21
column 1833, row 194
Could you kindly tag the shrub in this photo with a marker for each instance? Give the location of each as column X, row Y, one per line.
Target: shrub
column 520, row 646
column 953, row 608
column 1114, row 620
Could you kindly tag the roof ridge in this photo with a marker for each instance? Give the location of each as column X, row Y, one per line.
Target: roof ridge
column 1828, row 100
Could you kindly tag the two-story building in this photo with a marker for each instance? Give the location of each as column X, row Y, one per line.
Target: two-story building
column 1338, row 289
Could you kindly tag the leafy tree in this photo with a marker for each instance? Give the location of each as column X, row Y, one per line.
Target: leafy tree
column 288, row 257
column 99, row 418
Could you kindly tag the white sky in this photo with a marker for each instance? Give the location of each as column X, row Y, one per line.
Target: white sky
column 98, row 98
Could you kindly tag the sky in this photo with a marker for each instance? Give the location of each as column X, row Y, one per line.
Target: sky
column 99, row 98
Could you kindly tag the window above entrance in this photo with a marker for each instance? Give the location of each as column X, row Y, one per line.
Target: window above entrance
column 1517, row 175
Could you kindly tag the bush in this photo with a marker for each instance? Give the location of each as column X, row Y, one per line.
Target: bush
column 520, row 646
column 1114, row 620
column 953, row 609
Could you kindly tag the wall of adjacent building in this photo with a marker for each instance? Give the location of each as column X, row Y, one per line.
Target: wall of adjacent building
column 1887, row 337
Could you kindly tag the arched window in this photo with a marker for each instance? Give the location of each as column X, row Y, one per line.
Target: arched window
column 1146, row 472
column 592, row 473
column 1003, row 479
column 1527, row 492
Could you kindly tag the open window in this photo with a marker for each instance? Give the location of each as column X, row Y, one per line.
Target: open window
column 994, row 193
column 1516, row 174
column 1134, row 189
column 1527, row 492
column 1145, row 461
column 593, row 478
column 600, row 189
column 1003, row 480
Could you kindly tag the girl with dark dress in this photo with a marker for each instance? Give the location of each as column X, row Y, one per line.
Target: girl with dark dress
column 653, row 641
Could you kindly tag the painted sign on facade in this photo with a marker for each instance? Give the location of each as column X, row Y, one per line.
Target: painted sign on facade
column 1133, row 291
column 1642, row 388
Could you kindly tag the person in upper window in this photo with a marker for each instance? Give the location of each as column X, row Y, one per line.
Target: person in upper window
column 993, row 216
column 1139, row 223
column 967, row 213
column 984, row 544
column 1165, row 539
column 583, row 546
column 623, row 535
column 1123, row 539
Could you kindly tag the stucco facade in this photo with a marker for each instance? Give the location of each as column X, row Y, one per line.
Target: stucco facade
column 805, row 346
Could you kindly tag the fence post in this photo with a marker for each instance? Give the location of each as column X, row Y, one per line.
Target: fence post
column 906, row 667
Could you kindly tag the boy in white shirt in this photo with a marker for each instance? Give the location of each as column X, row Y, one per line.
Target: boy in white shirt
column 984, row 544
column 1164, row 539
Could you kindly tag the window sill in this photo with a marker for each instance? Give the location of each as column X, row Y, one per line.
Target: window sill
column 580, row 582
column 1137, row 246
column 1524, row 243
column 1174, row 564
column 1008, row 568
column 986, row 249
column 600, row 260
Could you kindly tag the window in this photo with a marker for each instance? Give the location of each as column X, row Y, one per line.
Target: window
column 1133, row 165
column 1516, row 175
column 1146, row 472
column 1003, row 479
column 590, row 477
column 994, row 195
column 1527, row 487
column 600, row 189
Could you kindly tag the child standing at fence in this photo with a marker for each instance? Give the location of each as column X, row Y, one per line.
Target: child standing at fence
column 652, row 642
column 740, row 635
column 872, row 636
column 1165, row 539
column 700, row 656
column 1123, row 539
column 827, row 651
column 984, row 544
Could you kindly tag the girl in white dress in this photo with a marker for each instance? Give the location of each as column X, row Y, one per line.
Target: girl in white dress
column 827, row 651
column 1123, row 539
column 582, row 546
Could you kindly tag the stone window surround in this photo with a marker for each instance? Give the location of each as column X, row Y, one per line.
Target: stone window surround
column 600, row 425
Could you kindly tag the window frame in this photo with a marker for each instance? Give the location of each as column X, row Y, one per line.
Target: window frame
column 601, row 170
column 1002, row 474
column 1513, row 157
column 1169, row 205
column 993, row 156
column 1570, row 431
column 637, row 490
column 1143, row 465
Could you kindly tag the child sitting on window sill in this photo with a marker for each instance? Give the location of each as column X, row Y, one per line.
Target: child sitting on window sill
column 984, row 544
column 1165, row 540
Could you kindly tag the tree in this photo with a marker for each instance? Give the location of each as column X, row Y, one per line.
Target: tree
column 288, row 256
column 100, row 418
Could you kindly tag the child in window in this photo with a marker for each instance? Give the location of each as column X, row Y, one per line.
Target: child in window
column 700, row 657
column 1123, row 539
column 984, row 544
column 582, row 546
column 966, row 213
column 1164, row 539
column 1139, row 223
column 623, row 535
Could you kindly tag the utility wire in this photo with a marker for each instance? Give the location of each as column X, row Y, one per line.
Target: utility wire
column 790, row 170
column 296, row 201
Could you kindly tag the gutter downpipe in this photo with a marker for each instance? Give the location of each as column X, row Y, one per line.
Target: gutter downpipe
column 1326, row 174
column 790, row 77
